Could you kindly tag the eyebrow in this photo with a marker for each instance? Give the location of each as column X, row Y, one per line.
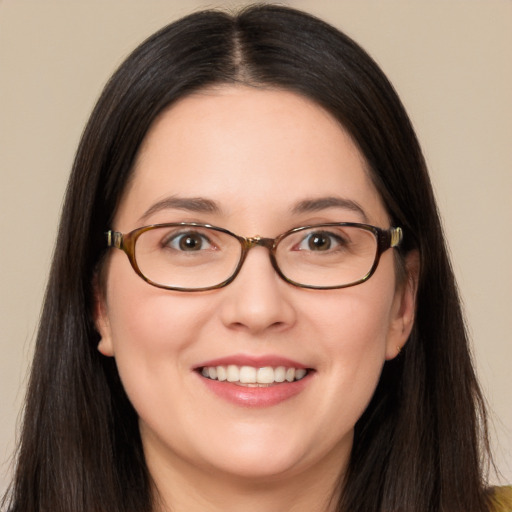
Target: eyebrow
column 191, row 204
column 203, row 205
column 324, row 203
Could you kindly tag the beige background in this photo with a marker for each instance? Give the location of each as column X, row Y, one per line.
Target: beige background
column 450, row 60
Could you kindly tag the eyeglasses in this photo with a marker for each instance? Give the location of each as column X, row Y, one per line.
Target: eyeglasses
column 189, row 256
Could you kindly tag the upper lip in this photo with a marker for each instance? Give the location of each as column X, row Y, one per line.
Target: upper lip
column 252, row 360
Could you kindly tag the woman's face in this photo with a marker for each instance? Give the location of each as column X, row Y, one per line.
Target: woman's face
column 257, row 162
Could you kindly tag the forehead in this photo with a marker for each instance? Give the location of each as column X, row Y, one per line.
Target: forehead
column 256, row 151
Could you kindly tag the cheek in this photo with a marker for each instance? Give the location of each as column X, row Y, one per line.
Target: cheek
column 143, row 317
column 355, row 340
column 350, row 329
column 151, row 332
column 153, row 327
column 354, row 319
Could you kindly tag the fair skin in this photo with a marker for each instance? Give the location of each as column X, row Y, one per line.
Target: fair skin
column 256, row 154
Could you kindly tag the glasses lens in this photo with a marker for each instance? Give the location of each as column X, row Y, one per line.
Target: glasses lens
column 187, row 256
column 327, row 256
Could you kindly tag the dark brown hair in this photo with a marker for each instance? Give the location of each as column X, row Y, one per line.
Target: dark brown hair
column 418, row 445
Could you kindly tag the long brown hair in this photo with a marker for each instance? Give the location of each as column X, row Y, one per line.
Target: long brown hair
column 418, row 445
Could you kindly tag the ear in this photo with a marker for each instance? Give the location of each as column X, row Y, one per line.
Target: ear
column 101, row 319
column 404, row 307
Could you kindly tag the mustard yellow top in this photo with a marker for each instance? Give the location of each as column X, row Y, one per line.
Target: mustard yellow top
column 502, row 499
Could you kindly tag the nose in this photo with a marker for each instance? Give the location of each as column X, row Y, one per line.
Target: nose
column 258, row 300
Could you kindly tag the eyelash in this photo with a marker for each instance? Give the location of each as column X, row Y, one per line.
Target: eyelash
column 332, row 238
column 176, row 238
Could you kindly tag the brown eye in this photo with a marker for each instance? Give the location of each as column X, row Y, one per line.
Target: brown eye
column 188, row 242
column 319, row 242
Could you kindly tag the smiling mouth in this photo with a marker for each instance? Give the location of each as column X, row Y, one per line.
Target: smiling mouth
column 250, row 376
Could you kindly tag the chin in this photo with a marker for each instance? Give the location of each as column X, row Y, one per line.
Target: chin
column 261, row 456
column 259, row 470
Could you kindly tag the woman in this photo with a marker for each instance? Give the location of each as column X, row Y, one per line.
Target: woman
column 195, row 373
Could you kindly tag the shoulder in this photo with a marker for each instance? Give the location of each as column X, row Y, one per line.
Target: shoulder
column 501, row 499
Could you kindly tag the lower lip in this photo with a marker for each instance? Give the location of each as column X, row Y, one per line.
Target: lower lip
column 255, row 396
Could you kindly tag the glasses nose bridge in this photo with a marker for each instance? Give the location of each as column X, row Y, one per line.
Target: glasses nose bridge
column 254, row 241
column 249, row 243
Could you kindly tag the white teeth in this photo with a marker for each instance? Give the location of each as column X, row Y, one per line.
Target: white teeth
column 233, row 373
column 280, row 374
column 300, row 373
column 221, row 373
column 247, row 375
column 252, row 375
column 266, row 375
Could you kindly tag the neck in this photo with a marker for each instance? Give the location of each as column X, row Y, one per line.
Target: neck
column 181, row 487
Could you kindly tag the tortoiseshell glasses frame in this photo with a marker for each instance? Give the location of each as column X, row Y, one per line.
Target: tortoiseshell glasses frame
column 338, row 254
